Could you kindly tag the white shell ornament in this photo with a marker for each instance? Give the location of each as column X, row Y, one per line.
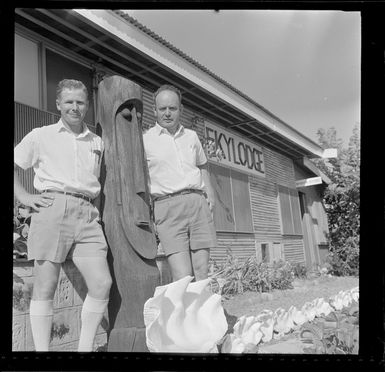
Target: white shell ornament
column 184, row 317
column 266, row 317
column 247, row 329
column 297, row 316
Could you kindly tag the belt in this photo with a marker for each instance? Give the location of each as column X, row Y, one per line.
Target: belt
column 181, row 192
column 75, row 194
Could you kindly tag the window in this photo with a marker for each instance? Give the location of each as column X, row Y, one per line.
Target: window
column 26, row 83
column 290, row 211
column 58, row 68
column 232, row 200
column 269, row 252
column 265, row 252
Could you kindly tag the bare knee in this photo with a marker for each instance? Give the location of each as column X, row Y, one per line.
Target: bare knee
column 100, row 287
column 178, row 274
column 200, row 260
column 200, row 272
column 180, row 265
column 44, row 289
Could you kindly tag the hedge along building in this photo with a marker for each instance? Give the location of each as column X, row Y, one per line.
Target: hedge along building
column 268, row 192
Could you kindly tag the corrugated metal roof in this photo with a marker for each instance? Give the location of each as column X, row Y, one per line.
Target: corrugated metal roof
column 167, row 44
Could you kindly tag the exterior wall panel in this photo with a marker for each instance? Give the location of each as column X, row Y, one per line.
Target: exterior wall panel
column 26, row 119
column 240, row 246
column 265, row 212
column 148, row 118
column 294, row 250
column 279, row 168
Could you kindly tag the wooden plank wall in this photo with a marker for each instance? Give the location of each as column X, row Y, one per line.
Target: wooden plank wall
column 241, row 246
column 26, row 119
column 263, row 194
column 315, row 208
column 279, row 168
column 148, row 119
column 294, row 250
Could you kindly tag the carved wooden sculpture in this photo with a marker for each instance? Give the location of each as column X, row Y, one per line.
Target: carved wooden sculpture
column 125, row 210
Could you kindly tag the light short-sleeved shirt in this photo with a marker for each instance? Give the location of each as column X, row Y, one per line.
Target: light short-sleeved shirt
column 173, row 160
column 61, row 159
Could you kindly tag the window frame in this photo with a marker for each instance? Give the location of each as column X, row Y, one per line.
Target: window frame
column 233, row 213
column 294, row 208
column 43, row 45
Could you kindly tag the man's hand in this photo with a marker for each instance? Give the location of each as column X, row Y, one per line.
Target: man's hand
column 208, row 188
column 36, row 201
column 33, row 201
column 211, row 204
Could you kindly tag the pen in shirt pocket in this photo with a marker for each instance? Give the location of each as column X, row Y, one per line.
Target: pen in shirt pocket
column 97, row 153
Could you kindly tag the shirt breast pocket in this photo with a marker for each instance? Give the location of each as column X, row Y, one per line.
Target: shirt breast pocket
column 95, row 160
column 190, row 155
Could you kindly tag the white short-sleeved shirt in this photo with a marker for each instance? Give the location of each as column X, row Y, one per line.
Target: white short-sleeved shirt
column 61, row 159
column 173, row 160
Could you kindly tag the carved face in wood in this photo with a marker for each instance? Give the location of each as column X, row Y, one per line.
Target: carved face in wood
column 126, row 210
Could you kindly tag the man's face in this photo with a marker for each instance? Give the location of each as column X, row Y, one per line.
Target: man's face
column 73, row 106
column 168, row 110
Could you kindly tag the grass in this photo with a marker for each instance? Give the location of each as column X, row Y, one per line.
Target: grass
column 305, row 290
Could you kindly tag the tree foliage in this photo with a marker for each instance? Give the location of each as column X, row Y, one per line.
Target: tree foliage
column 342, row 200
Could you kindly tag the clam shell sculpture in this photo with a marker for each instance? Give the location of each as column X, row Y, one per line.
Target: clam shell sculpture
column 283, row 322
column 297, row 316
column 248, row 330
column 184, row 316
column 309, row 311
column 267, row 326
column 355, row 294
column 321, row 307
column 233, row 344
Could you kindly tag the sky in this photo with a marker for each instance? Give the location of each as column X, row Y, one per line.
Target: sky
column 303, row 66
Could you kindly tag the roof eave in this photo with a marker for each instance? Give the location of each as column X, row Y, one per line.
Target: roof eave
column 116, row 26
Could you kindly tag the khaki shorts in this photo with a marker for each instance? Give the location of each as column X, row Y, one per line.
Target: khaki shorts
column 68, row 228
column 184, row 222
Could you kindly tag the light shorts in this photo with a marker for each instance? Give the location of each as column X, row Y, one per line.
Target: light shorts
column 68, row 228
column 184, row 222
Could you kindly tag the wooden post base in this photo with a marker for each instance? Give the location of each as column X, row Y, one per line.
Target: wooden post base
column 128, row 340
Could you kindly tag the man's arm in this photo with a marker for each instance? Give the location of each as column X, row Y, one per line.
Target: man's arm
column 27, row 199
column 208, row 188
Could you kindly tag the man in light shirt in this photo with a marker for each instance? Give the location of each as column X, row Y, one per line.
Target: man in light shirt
column 66, row 160
column 180, row 188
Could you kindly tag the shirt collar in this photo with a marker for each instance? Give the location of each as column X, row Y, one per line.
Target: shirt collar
column 159, row 129
column 63, row 126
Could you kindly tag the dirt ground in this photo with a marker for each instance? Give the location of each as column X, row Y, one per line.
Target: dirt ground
column 251, row 303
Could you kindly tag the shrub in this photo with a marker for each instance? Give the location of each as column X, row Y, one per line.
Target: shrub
column 21, row 222
column 251, row 275
column 300, row 270
column 281, row 275
column 344, row 260
column 341, row 200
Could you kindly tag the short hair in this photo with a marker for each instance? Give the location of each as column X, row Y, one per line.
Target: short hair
column 70, row 84
column 170, row 88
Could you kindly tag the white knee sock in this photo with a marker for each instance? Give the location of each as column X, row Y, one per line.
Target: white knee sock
column 91, row 316
column 41, row 314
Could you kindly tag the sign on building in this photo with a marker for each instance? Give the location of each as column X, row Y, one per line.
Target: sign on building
column 237, row 152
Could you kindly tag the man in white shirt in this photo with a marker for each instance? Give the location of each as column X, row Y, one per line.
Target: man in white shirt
column 66, row 159
column 180, row 188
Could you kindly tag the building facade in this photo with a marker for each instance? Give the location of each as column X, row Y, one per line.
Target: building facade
column 268, row 192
